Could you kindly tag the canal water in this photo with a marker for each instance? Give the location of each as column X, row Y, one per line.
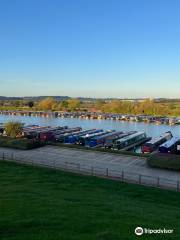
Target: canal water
column 151, row 129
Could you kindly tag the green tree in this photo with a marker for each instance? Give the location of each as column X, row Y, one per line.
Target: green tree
column 63, row 105
column 13, row 129
column 30, row 104
column 73, row 104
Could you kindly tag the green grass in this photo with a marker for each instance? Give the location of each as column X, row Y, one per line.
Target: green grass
column 44, row 204
column 164, row 161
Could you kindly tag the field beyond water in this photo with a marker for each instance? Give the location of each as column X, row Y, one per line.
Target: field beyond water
column 44, row 204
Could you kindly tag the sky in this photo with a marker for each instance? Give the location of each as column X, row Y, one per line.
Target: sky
column 90, row 48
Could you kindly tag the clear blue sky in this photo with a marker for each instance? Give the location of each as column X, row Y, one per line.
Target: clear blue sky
column 97, row 48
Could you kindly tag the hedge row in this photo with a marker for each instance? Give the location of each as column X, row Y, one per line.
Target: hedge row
column 20, row 143
column 164, row 161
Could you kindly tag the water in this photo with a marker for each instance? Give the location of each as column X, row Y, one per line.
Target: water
column 150, row 128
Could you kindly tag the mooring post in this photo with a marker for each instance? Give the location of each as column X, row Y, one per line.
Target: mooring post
column 139, row 178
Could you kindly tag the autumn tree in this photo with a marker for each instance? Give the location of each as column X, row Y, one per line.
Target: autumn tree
column 13, row 129
column 48, row 104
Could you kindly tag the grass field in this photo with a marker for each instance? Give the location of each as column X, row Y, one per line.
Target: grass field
column 44, row 204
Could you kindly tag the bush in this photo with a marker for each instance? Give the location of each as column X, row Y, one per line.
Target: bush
column 13, row 129
column 165, row 161
column 21, row 143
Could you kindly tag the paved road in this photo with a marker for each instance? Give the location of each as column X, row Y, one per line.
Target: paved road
column 85, row 160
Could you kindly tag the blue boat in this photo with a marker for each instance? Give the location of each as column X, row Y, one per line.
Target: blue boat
column 59, row 136
column 171, row 146
column 84, row 140
column 74, row 138
column 100, row 140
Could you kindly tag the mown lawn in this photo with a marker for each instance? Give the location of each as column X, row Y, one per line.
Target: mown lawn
column 43, row 204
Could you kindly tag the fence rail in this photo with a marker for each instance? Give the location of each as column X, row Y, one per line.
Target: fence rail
column 121, row 175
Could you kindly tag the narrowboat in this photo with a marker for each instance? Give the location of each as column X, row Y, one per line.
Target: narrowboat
column 153, row 144
column 100, row 140
column 110, row 140
column 171, row 146
column 84, row 140
column 130, row 141
column 59, row 134
column 60, row 137
column 73, row 138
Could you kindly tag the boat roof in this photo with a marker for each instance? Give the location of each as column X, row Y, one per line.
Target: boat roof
column 84, row 133
column 94, row 134
column 113, row 133
column 156, row 139
column 170, row 142
column 130, row 136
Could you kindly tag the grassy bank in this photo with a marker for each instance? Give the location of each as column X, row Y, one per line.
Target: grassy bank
column 43, row 204
column 21, row 143
column 164, row 161
column 98, row 149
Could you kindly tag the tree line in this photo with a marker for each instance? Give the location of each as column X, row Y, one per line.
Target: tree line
column 148, row 106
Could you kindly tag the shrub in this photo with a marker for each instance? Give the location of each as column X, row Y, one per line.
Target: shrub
column 21, row 143
column 13, row 129
column 166, row 161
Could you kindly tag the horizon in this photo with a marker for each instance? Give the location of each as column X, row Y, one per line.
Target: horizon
column 96, row 49
column 89, row 97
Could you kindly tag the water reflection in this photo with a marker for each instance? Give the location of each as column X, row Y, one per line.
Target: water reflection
column 151, row 129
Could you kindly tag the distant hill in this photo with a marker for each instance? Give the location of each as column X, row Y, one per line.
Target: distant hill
column 39, row 98
column 31, row 98
column 60, row 98
column 10, row 98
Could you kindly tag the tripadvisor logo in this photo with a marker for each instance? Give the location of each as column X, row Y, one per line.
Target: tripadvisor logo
column 139, row 231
